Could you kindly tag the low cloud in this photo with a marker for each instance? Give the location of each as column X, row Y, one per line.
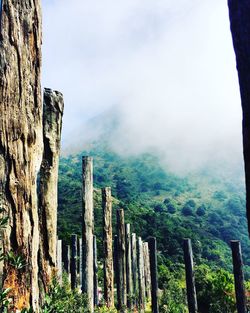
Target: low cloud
column 164, row 69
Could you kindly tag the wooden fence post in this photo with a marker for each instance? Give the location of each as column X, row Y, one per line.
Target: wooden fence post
column 87, row 231
column 73, row 263
column 190, row 281
column 238, row 276
column 66, row 257
column 122, row 296
column 147, row 270
column 107, row 247
column 95, row 265
column 116, row 271
column 129, row 267
column 154, row 274
column 141, row 276
column 80, row 262
column 134, row 268
column 59, row 260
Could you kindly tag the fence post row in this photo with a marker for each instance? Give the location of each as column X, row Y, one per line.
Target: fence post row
column 133, row 262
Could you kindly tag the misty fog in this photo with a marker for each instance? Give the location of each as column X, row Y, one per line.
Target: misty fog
column 149, row 75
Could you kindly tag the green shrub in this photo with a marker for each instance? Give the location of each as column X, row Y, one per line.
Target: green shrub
column 61, row 299
column 215, row 290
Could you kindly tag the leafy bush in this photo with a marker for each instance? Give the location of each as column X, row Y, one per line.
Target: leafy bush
column 173, row 298
column 61, row 299
column 215, row 290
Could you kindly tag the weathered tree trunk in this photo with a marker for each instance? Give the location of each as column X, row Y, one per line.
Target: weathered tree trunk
column 141, row 276
column 107, row 246
column 87, row 231
column 53, row 106
column 129, row 267
column 238, row 277
column 239, row 11
column 134, row 268
column 21, row 143
column 122, row 295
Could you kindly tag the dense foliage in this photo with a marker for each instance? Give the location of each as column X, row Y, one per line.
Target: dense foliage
column 207, row 206
column 209, row 209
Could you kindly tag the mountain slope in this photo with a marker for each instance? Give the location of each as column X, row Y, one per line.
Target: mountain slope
column 208, row 207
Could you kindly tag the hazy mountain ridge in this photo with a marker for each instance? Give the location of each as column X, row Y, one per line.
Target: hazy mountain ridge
column 207, row 206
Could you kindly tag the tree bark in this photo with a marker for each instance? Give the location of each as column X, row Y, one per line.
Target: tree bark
column 53, row 106
column 239, row 11
column 107, row 246
column 87, row 231
column 21, row 144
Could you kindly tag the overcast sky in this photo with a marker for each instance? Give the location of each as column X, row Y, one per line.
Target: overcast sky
column 165, row 67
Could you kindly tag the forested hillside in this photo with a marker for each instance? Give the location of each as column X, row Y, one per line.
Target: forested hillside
column 208, row 208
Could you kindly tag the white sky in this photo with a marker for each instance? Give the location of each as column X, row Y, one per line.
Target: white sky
column 165, row 67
